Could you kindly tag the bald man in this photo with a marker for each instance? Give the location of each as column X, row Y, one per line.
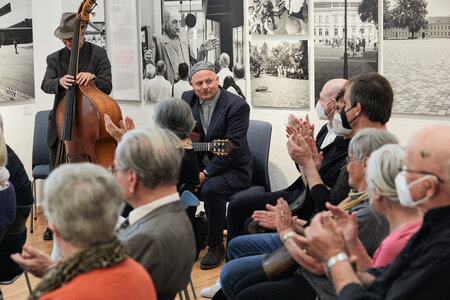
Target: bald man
column 334, row 149
column 422, row 269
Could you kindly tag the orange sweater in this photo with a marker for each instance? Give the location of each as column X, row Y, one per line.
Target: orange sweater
column 126, row 280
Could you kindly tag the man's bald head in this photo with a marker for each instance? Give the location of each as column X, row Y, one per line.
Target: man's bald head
column 332, row 88
column 428, row 151
column 430, row 147
column 329, row 96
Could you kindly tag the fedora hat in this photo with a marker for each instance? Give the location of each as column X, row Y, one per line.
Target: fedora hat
column 66, row 25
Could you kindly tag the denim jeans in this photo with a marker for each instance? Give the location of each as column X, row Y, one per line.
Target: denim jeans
column 245, row 254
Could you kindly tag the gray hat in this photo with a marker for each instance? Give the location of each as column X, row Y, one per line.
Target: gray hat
column 202, row 65
column 66, row 26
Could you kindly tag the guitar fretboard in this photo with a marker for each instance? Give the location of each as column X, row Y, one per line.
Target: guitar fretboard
column 200, row 146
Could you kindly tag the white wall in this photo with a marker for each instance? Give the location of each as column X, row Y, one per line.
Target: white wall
column 19, row 120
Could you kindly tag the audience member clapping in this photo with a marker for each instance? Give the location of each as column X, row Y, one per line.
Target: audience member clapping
column 421, row 269
column 372, row 230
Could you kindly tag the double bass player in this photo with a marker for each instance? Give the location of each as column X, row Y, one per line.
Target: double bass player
column 93, row 64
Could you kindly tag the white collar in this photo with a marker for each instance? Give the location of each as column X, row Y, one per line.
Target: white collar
column 143, row 210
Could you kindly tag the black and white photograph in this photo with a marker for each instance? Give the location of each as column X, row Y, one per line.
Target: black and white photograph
column 191, row 31
column 278, row 17
column 416, row 55
column 337, row 56
column 16, row 52
column 95, row 31
column 279, row 73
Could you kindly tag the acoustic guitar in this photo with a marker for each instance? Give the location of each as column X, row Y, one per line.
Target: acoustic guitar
column 218, row 147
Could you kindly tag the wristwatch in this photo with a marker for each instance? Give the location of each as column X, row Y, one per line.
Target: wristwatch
column 206, row 174
column 333, row 260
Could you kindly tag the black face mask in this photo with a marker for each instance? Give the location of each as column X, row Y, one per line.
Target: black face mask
column 345, row 122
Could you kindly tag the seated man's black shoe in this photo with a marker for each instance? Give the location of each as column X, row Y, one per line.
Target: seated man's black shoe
column 214, row 257
column 48, row 235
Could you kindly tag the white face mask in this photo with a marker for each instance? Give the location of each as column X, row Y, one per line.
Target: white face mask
column 320, row 110
column 404, row 196
column 338, row 128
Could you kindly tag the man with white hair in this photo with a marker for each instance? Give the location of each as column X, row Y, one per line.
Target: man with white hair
column 82, row 203
column 157, row 233
column 224, row 61
column 422, row 269
column 172, row 46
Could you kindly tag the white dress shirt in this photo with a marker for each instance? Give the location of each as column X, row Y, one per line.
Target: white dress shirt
column 141, row 211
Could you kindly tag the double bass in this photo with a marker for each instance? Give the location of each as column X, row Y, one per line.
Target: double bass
column 79, row 115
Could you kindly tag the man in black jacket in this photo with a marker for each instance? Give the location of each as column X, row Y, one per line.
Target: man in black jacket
column 219, row 114
column 93, row 64
column 333, row 148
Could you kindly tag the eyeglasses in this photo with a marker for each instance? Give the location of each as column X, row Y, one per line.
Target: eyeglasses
column 348, row 159
column 67, row 40
column 113, row 170
column 404, row 169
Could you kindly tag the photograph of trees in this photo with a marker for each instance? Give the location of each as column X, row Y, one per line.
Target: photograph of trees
column 281, row 68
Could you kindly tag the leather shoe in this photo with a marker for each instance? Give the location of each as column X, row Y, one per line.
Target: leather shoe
column 48, row 235
column 214, row 257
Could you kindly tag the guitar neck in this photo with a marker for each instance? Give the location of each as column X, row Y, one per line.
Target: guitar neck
column 201, row 146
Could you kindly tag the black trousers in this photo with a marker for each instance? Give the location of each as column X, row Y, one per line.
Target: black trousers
column 258, row 286
column 215, row 192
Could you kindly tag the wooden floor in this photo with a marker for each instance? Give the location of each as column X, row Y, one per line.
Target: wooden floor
column 19, row 291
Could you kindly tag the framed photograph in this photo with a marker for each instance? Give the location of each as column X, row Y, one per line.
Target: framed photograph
column 278, row 17
column 279, row 73
column 16, row 53
column 416, row 56
column 330, row 45
column 177, row 34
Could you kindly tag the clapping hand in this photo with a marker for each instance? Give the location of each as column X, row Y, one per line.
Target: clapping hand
column 298, row 149
column 323, row 240
column 118, row 132
column 266, row 218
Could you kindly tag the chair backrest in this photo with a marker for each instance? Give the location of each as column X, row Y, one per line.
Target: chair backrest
column 189, row 199
column 259, row 135
column 19, row 224
column 41, row 153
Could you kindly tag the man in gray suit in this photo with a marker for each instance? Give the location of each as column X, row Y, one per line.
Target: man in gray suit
column 157, row 233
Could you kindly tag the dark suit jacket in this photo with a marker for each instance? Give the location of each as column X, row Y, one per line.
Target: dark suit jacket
column 230, row 120
column 92, row 59
column 163, row 242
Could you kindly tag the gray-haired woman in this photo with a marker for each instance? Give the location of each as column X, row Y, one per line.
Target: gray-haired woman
column 175, row 115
